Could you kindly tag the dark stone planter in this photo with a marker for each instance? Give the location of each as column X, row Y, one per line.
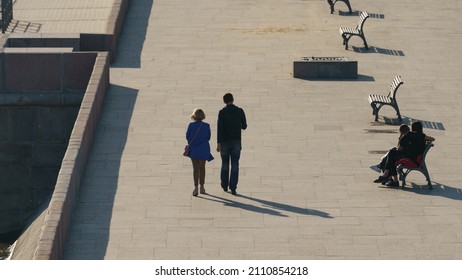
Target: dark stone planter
column 325, row 68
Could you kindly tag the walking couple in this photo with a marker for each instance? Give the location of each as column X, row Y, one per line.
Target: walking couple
column 231, row 120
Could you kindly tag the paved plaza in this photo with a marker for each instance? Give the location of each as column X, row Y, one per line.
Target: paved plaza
column 305, row 188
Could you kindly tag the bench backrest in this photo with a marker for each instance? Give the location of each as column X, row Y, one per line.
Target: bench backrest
column 394, row 87
column 424, row 154
column 362, row 18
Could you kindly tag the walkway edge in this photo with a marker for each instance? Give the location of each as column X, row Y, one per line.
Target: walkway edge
column 57, row 220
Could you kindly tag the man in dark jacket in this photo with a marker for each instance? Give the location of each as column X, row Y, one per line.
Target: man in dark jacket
column 231, row 120
column 407, row 148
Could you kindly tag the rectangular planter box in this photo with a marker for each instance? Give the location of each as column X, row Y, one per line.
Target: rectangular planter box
column 325, row 68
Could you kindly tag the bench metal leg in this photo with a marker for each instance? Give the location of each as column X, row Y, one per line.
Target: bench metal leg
column 345, row 41
column 375, row 110
column 427, row 177
column 398, row 113
column 347, row 37
column 365, row 43
column 403, row 174
column 347, row 2
column 331, row 3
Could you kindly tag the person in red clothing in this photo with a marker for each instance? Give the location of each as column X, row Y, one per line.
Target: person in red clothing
column 198, row 136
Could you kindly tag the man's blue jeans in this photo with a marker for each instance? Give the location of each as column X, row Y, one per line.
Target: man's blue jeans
column 230, row 150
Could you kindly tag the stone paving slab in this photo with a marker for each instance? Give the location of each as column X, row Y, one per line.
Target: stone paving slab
column 61, row 16
column 305, row 188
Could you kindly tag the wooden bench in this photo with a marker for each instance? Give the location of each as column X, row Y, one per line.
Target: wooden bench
column 378, row 101
column 404, row 166
column 332, row 3
column 348, row 32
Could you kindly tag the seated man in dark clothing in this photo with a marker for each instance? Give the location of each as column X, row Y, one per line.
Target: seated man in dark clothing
column 411, row 145
column 422, row 139
column 403, row 129
column 406, row 148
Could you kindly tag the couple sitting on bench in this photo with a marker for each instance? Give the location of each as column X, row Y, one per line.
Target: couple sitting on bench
column 410, row 152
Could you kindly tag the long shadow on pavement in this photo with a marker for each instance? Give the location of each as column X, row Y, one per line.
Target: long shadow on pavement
column 89, row 231
column 289, row 208
column 379, row 50
column 438, row 190
column 273, row 206
column 356, row 13
column 244, row 206
column 133, row 35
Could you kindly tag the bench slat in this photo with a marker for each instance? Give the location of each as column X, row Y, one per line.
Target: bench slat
column 377, row 100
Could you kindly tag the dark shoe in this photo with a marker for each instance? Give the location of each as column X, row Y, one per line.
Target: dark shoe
column 225, row 189
column 233, row 192
column 381, row 179
column 195, row 192
column 392, row 184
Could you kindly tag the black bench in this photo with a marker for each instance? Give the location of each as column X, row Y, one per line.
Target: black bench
column 348, row 32
column 378, row 101
column 332, row 3
column 403, row 169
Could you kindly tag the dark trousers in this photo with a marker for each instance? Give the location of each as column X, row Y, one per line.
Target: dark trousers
column 390, row 163
column 230, row 151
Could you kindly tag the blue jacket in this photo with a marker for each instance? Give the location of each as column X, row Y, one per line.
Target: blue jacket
column 199, row 147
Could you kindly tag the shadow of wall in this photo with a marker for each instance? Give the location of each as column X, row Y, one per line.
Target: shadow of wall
column 40, row 96
column 53, row 234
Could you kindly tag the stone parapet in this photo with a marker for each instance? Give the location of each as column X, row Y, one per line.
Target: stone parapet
column 58, row 217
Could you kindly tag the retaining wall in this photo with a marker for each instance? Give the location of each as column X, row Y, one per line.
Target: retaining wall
column 40, row 96
column 57, row 220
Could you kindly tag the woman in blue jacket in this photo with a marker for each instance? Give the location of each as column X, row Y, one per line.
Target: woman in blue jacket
column 198, row 136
